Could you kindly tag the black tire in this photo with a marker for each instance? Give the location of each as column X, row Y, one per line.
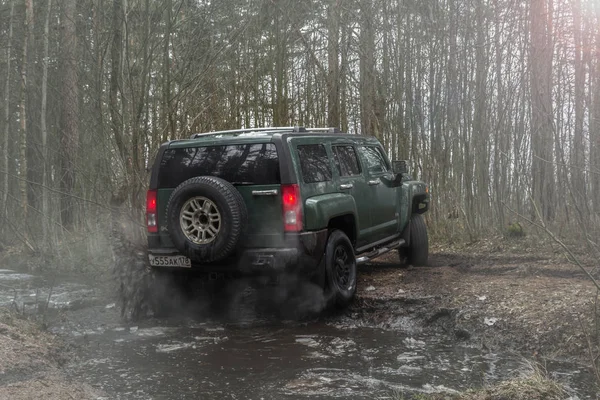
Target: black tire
column 417, row 252
column 232, row 212
column 340, row 269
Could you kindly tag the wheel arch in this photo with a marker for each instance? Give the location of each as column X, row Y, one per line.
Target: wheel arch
column 345, row 223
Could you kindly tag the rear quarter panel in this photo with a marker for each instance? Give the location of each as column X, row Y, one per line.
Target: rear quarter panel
column 318, row 210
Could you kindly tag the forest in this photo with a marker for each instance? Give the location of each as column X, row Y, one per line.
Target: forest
column 495, row 103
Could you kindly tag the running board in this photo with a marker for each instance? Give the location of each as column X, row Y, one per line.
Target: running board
column 377, row 252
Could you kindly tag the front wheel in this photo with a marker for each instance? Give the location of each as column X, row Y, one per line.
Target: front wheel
column 417, row 252
column 340, row 268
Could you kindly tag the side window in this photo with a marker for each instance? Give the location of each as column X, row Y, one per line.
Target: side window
column 314, row 163
column 346, row 160
column 376, row 163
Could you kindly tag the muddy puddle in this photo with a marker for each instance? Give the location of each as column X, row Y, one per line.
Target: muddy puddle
column 335, row 356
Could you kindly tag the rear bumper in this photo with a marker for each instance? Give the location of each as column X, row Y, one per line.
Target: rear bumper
column 301, row 255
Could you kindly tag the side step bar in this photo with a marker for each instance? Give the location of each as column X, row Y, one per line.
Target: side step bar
column 377, row 252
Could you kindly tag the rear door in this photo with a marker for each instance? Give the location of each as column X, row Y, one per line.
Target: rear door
column 382, row 197
column 253, row 168
column 353, row 181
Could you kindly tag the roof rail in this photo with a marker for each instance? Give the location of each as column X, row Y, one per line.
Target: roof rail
column 328, row 130
column 295, row 129
column 235, row 131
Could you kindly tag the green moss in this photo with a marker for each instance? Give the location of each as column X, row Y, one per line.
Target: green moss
column 515, row 230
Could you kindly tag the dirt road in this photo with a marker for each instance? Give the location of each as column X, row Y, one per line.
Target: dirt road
column 463, row 322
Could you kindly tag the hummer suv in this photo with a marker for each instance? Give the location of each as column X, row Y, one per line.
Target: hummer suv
column 267, row 201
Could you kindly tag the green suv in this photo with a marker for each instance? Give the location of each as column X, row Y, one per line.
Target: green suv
column 310, row 202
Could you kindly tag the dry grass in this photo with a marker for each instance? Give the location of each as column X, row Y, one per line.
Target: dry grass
column 29, row 363
column 536, row 386
column 22, row 344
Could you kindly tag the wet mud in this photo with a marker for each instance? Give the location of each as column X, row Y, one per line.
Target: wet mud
column 393, row 341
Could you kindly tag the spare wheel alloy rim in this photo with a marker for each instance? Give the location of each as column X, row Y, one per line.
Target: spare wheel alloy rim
column 200, row 220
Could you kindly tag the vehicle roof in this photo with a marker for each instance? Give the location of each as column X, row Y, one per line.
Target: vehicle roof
column 262, row 136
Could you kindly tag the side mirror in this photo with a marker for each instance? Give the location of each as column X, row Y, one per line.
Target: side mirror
column 400, row 167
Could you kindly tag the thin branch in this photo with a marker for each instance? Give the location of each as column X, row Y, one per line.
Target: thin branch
column 543, row 226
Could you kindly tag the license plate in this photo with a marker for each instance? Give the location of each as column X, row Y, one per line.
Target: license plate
column 170, row 261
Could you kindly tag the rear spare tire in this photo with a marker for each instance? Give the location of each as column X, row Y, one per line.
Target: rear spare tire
column 206, row 216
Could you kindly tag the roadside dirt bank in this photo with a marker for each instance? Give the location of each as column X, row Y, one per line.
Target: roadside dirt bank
column 497, row 294
column 31, row 363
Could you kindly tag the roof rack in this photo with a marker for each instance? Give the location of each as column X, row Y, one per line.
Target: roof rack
column 235, row 131
column 328, row 130
column 295, row 129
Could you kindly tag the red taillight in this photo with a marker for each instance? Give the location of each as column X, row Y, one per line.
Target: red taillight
column 292, row 208
column 151, row 218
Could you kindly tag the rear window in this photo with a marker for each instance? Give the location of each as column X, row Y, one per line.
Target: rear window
column 314, row 163
column 244, row 164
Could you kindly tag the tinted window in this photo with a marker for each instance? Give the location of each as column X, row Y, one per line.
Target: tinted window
column 244, row 164
column 314, row 163
column 376, row 163
column 346, row 160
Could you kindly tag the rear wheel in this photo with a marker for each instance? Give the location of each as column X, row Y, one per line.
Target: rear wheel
column 417, row 252
column 340, row 270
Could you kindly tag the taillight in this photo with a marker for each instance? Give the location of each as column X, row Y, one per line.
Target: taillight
column 292, row 208
column 151, row 218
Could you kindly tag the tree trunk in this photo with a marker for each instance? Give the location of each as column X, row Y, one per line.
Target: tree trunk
column 577, row 150
column 23, row 110
column 115, row 72
column 480, row 132
column 369, row 123
column 167, row 118
column 45, row 210
column 6, row 138
column 69, row 111
column 333, row 74
column 542, row 135
column 595, row 126
column 343, row 79
column 280, row 109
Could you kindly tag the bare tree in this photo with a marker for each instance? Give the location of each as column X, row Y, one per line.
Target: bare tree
column 28, row 37
column 6, row 138
column 44, row 128
column 542, row 128
column 333, row 66
column 368, row 81
column 70, row 111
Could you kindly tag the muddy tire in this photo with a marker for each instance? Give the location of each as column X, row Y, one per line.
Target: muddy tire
column 417, row 252
column 206, row 217
column 340, row 269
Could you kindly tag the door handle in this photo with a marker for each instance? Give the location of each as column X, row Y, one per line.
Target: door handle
column 374, row 182
column 345, row 186
column 273, row 192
